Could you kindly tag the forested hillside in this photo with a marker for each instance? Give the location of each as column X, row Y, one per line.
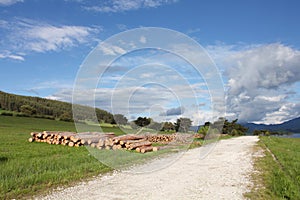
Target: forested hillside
column 46, row 108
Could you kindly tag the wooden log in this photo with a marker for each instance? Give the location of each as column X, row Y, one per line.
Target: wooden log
column 93, row 145
column 128, row 137
column 139, row 144
column 115, row 147
column 33, row 134
column 71, row 144
column 145, row 149
column 138, row 149
column 134, row 141
column 39, row 135
column 93, row 140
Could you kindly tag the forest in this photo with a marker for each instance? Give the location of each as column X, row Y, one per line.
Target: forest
column 25, row 106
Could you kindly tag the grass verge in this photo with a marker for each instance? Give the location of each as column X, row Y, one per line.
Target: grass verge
column 278, row 172
column 28, row 169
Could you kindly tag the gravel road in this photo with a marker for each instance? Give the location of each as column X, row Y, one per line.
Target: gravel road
column 222, row 174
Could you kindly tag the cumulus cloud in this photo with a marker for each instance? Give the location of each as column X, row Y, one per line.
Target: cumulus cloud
column 126, row 5
column 9, row 2
column 34, row 36
column 258, row 77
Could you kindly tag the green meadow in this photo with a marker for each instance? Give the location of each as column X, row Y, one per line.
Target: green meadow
column 28, row 169
column 278, row 174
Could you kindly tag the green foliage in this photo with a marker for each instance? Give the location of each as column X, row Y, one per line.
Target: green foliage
column 280, row 178
column 183, row 125
column 223, row 126
column 66, row 116
column 142, row 121
column 168, row 126
column 28, row 110
column 35, row 106
column 7, row 113
column 233, row 128
column 267, row 132
column 203, row 130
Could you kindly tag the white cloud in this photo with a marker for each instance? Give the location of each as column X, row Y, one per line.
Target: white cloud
column 260, row 80
column 52, row 38
column 9, row 55
column 127, row 5
column 258, row 77
column 143, row 39
column 32, row 36
column 108, row 49
column 9, row 2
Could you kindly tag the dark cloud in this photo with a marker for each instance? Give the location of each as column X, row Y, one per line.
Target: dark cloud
column 173, row 111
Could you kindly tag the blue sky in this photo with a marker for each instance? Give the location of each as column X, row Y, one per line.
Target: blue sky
column 255, row 44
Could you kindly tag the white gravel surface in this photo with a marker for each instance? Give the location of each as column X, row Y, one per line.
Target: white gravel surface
column 222, row 174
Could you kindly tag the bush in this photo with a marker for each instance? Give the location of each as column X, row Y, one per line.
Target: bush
column 21, row 115
column 7, row 114
column 44, row 117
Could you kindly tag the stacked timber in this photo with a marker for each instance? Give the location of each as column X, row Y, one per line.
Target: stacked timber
column 97, row 140
column 170, row 138
column 161, row 138
column 138, row 143
column 67, row 138
column 199, row 136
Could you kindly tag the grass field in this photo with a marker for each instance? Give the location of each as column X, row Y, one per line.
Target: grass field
column 279, row 176
column 28, row 169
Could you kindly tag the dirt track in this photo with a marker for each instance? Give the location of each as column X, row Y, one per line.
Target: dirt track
column 223, row 174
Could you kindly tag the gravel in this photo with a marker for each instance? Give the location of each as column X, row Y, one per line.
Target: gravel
column 223, row 174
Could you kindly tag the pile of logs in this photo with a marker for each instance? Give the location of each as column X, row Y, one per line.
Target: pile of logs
column 97, row 140
column 199, row 136
column 133, row 142
column 67, row 138
column 161, row 138
column 139, row 143
column 170, row 138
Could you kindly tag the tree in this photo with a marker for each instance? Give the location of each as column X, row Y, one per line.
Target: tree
column 204, row 129
column 66, row 116
column 183, row 125
column 231, row 128
column 119, row 119
column 155, row 126
column 28, row 110
column 168, row 126
column 142, row 121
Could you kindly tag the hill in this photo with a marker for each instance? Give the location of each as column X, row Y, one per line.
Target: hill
column 46, row 108
column 292, row 126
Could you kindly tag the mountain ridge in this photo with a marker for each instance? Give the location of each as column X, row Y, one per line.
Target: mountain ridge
column 291, row 126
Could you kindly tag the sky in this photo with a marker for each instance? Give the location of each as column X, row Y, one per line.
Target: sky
column 254, row 44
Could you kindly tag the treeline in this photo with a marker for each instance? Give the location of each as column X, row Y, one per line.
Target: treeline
column 45, row 108
column 269, row 132
column 181, row 124
column 223, row 126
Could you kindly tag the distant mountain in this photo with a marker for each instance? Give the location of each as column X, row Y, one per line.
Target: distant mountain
column 292, row 126
column 194, row 128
